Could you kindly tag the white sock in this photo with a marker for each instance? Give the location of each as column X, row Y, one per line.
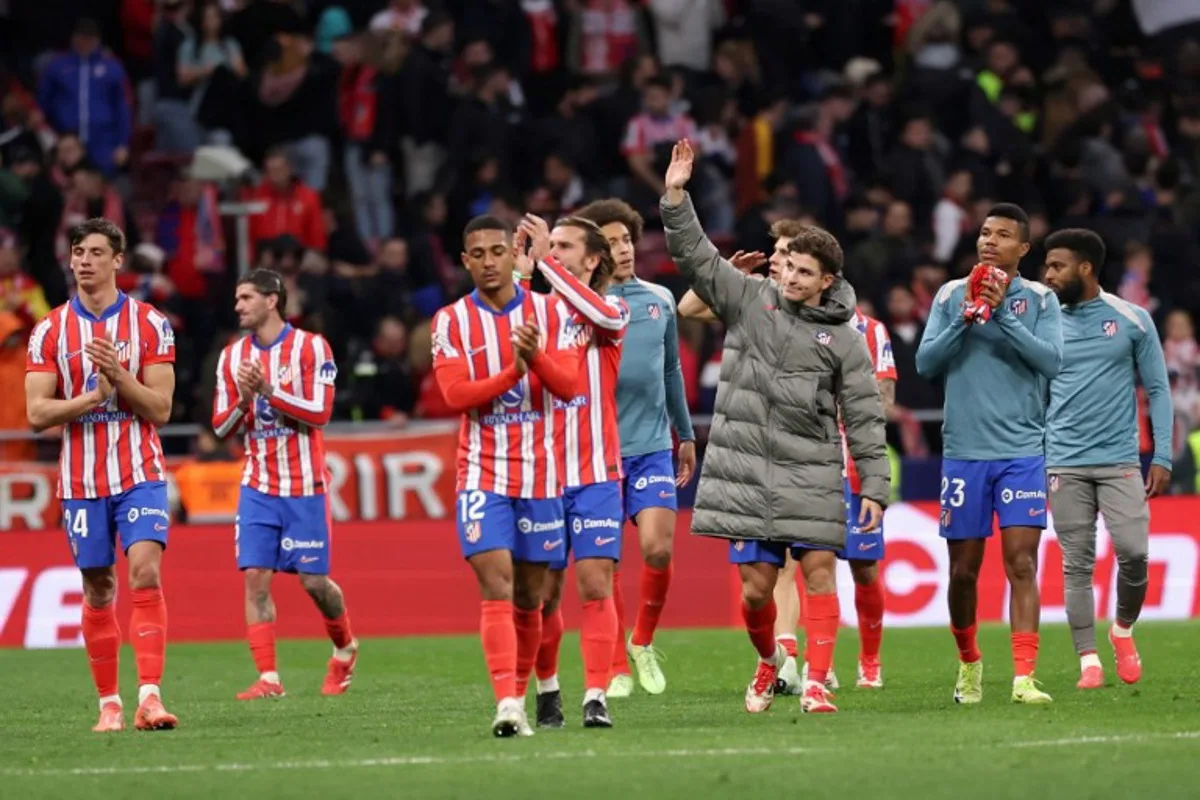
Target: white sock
column 593, row 694
column 785, row 636
column 270, row 677
column 1090, row 660
column 346, row 653
column 147, row 689
column 1119, row 631
column 548, row 685
column 112, row 698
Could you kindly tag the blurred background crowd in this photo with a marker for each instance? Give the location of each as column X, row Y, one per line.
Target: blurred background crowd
column 377, row 128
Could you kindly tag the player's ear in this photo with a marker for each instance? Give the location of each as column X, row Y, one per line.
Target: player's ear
column 1025, row 248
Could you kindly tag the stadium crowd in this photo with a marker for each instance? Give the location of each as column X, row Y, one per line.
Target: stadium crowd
column 379, row 127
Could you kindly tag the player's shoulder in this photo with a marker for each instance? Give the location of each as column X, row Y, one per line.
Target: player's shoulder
column 1136, row 314
column 949, row 288
column 312, row 343
column 1040, row 292
column 659, row 291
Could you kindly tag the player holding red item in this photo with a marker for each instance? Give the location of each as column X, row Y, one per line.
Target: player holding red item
column 863, row 551
column 276, row 385
column 577, row 262
column 975, row 307
column 102, row 366
column 500, row 356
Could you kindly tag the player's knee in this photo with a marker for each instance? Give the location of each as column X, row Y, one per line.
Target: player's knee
column 1131, row 550
column 594, row 584
column 315, row 585
column 756, row 590
column 656, row 552
column 1021, row 567
column 820, row 581
column 100, row 588
column 143, row 575
column 864, row 573
column 527, row 597
column 964, row 574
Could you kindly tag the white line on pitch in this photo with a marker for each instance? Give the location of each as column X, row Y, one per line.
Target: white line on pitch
column 564, row 755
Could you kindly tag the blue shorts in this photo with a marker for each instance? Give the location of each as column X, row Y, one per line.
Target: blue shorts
column 1014, row 489
column 284, row 534
column 755, row 551
column 593, row 516
column 859, row 546
column 137, row 515
column 649, row 483
column 531, row 529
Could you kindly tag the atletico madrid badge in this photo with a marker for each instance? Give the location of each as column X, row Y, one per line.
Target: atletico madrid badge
column 654, row 310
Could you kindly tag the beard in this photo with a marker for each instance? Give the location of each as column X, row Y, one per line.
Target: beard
column 1070, row 293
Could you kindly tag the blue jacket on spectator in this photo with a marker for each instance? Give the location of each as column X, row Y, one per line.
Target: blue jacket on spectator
column 89, row 95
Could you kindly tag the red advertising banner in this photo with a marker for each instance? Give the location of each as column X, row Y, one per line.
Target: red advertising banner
column 406, row 475
column 408, row 578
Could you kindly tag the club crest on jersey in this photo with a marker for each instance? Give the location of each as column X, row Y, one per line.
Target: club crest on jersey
column 823, row 337
column 327, row 373
column 263, row 410
column 1109, row 326
column 285, row 374
column 654, row 310
column 166, row 333
column 123, row 350
column 1019, row 306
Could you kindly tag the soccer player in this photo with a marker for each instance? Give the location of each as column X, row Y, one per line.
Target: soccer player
column 102, row 366
column 576, row 261
column 500, row 356
column 1091, row 444
column 276, row 385
column 772, row 479
column 993, row 463
column 650, row 402
column 863, row 550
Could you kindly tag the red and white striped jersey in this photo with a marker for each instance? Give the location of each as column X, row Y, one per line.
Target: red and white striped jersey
column 285, row 447
column 879, row 344
column 109, row 449
column 590, row 447
column 506, row 443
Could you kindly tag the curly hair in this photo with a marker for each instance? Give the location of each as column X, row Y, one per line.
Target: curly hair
column 786, row 228
column 820, row 244
column 594, row 244
column 610, row 210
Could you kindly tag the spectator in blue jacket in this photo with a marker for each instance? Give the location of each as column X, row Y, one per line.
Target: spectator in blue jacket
column 85, row 91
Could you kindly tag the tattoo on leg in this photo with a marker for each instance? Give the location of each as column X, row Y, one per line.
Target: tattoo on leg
column 264, row 606
column 328, row 597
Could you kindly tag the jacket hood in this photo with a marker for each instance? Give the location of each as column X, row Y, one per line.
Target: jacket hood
column 837, row 305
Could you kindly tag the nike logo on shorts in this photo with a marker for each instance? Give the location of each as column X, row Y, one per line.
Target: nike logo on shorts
column 601, row 542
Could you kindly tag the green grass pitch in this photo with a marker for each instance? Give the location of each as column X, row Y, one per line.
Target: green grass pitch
column 415, row 724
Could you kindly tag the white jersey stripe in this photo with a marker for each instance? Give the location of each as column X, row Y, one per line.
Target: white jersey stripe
column 64, row 373
column 595, row 414
column 474, row 434
column 112, row 460
column 89, row 432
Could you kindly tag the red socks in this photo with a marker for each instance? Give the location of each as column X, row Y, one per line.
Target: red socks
column 546, row 666
column 598, row 637
column 499, row 636
column 339, row 631
column 1025, row 652
column 620, row 659
column 822, row 613
column 262, row 646
column 529, row 637
column 102, row 638
column 655, row 583
column 868, row 602
column 760, row 624
column 148, row 634
column 788, row 643
column 968, row 649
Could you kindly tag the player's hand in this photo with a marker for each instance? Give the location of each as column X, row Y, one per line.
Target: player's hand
column 992, row 293
column 537, row 232
column 103, row 390
column 522, row 263
column 687, row 463
column 1157, row 481
column 250, row 379
column 103, row 354
column 747, row 262
column 870, row 515
column 680, row 170
column 525, row 342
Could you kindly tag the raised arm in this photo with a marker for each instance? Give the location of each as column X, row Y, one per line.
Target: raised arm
column 229, row 407
column 1152, row 368
column 718, row 284
column 692, row 307
column 609, row 315
column 452, row 374
column 862, row 415
column 1041, row 348
column 313, row 406
column 677, row 407
column 944, row 335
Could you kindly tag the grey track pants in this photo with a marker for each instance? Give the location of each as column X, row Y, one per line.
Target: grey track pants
column 1076, row 495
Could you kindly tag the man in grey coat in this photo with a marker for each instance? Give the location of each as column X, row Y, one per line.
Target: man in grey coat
column 772, row 476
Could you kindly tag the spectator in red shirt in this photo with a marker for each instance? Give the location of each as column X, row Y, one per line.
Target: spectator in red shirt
column 292, row 208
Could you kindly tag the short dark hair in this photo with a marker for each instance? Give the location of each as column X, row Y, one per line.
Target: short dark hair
column 610, row 210
column 821, row 245
column 106, row 228
column 486, row 222
column 594, row 244
column 786, row 228
column 1085, row 245
column 268, row 281
column 1015, row 213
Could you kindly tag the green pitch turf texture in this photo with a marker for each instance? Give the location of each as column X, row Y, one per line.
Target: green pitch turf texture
column 415, row 724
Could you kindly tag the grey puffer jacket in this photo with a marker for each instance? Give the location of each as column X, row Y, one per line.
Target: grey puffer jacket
column 773, row 467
